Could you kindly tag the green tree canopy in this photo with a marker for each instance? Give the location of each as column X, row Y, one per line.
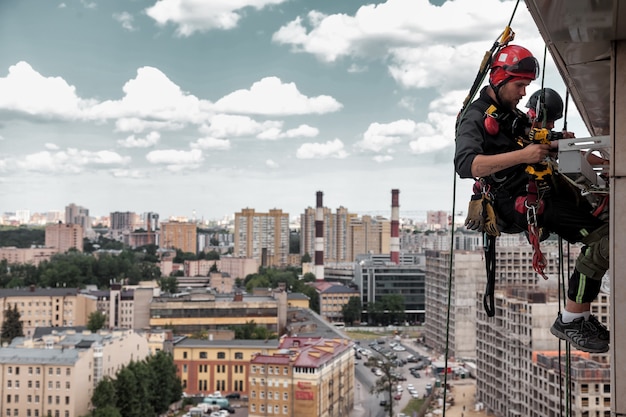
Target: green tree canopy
column 96, row 321
column 352, row 310
column 12, row 326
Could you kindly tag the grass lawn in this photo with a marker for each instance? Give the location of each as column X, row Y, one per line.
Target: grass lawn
column 414, row 405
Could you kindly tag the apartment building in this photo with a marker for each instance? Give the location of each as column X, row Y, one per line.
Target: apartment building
column 517, row 364
column 263, row 237
column 124, row 308
column 33, row 256
column 307, row 377
column 206, row 366
column 231, row 266
column 79, row 215
column 337, row 234
column 55, row 375
column 64, row 237
column 179, row 235
column 202, row 309
column 458, row 295
column 369, row 235
column 47, row 307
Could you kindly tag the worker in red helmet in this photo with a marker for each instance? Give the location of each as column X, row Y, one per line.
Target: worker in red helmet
column 493, row 147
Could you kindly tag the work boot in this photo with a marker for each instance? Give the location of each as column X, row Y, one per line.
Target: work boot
column 582, row 334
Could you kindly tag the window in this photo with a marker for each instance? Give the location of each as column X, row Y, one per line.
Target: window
column 276, row 409
column 67, row 385
column 184, row 355
column 285, row 409
column 68, row 371
column 285, row 396
column 10, row 370
column 285, row 370
column 253, row 394
column 221, row 355
column 238, row 355
column 203, row 355
column 58, row 371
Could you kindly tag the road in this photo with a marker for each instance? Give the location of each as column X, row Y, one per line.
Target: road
column 366, row 404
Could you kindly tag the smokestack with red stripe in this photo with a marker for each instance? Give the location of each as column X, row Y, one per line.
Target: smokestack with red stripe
column 395, row 227
column 319, row 237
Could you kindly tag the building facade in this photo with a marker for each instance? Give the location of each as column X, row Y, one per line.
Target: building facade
column 179, row 235
column 206, row 366
column 307, row 377
column 47, row 307
column 33, row 256
column 64, row 237
column 263, row 237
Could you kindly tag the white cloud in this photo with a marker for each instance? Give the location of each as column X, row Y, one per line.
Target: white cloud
column 153, row 96
column 127, row 173
column 200, row 16
column 71, row 160
column 51, row 146
column 225, row 125
column 25, row 90
column 271, row 164
column 211, row 143
column 379, row 136
column 175, row 160
column 424, row 45
column 137, row 125
column 302, row 131
column 133, row 142
column 270, row 96
column 330, row 149
column 126, row 20
column 383, row 158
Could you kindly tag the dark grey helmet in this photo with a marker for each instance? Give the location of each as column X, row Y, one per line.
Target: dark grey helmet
column 552, row 103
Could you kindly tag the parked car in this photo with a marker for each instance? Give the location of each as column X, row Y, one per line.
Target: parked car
column 233, row 396
column 397, row 396
column 383, row 402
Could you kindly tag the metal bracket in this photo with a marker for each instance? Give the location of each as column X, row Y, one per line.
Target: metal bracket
column 573, row 160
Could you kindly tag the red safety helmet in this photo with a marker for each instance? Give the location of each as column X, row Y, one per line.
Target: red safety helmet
column 511, row 62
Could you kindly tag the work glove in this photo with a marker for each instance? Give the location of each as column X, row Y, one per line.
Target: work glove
column 475, row 219
column 491, row 222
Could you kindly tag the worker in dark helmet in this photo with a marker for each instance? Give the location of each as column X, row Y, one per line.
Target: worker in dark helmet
column 545, row 105
column 492, row 147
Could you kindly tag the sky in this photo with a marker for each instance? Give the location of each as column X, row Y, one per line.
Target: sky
column 200, row 108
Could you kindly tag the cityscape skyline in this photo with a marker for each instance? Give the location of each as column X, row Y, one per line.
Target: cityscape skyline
column 258, row 104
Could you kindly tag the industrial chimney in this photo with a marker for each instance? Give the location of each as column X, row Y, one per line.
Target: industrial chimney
column 319, row 237
column 395, row 227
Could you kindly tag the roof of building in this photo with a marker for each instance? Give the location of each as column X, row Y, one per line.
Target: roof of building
column 305, row 322
column 198, row 343
column 297, row 296
column 271, row 360
column 339, row 289
column 25, row 356
column 37, row 292
column 44, row 331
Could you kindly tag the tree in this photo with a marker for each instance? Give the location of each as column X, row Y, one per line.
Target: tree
column 128, row 394
column 12, row 326
column 388, row 381
column 352, row 310
column 306, row 258
column 165, row 386
column 96, row 321
column 104, row 394
column 168, row 284
column 394, row 305
column 375, row 312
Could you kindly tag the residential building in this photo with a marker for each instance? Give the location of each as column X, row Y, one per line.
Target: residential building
column 78, row 215
column 64, row 237
column 43, row 307
column 234, row 267
column 33, row 256
column 56, row 374
column 453, row 301
column 205, row 366
column 337, row 234
column 438, row 220
column 263, row 237
column 178, row 235
column 124, row 308
column 369, row 235
column 121, row 222
column 298, row 300
column 307, row 377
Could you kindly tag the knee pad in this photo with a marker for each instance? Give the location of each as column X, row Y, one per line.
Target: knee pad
column 593, row 261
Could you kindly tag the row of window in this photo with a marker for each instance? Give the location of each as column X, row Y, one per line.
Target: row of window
column 270, row 396
column 271, row 370
column 270, row 382
column 37, row 370
column 35, row 413
column 30, row 399
column 51, row 384
column 270, row 409
column 220, row 355
column 220, row 385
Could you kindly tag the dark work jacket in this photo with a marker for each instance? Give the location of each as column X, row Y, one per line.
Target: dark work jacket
column 472, row 139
